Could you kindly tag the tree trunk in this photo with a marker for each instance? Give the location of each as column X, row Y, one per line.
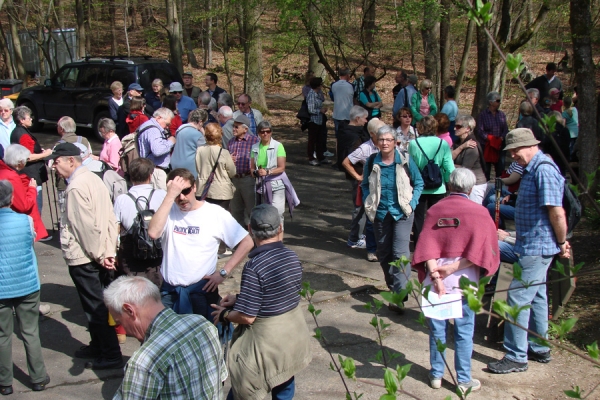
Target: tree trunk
column 187, row 39
column 12, row 73
column 132, row 11
column 81, row 33
column 114, row 46
column 483, row 78
column 464, row 61
column 125, row 21
column 175, row 47
column 14, row 33
column 444, row 48
column 313, row 58
column 583, row 67
column 59, row 14
column 368, row 24
column 255, row 86
column 87, row 12
column 413, row 46
column 431, row 47
column 208, row 46
column 41, row 42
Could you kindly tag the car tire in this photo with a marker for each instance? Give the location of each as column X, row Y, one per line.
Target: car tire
column 99, row 115
column 36, row 125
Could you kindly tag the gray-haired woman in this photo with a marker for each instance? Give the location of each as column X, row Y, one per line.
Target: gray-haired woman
column 390, row 195
column 467, row 153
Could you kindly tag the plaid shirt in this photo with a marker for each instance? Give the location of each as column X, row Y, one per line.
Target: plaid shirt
column 252, row 126
column 241, row 149
column 490, row 124
column 541, row 186
column 359, row 85
column 314, row 103
column 181, row 357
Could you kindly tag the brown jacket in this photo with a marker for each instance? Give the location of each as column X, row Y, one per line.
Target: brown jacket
column 88, row 227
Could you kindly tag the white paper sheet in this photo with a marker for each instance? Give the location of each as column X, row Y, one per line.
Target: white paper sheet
column 446, row 307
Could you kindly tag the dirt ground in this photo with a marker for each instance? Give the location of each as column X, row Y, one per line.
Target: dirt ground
column 345, row 282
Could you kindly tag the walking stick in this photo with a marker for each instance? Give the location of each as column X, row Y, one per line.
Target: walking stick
column 45, row 184
column 498, row 199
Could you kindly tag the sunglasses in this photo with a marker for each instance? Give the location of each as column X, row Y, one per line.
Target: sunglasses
column 265, row 131
column 186, row 191
column 174, row 92
column 427, row 88
column 497, row 101
column 241, row 104
column 458, row 126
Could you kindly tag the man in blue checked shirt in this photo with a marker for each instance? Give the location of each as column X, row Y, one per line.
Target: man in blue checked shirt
column 179, row 353
column 541, row 234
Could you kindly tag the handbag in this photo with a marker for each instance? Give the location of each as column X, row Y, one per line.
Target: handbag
column 491, row 152
column 211, row 177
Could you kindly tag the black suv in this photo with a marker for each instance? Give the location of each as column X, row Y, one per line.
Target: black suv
column 81, row 89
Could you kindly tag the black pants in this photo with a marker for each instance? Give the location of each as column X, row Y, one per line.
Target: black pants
column 88, row 279
column 425, row 201
column 315, row 141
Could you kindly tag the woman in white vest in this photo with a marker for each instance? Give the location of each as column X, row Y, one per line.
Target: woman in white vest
column 267, row 165
column 391, row 188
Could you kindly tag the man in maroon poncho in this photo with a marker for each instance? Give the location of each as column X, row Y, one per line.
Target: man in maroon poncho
column 458, row 239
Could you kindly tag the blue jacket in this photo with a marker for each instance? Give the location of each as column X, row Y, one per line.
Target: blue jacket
column 18, row 264
column 184, row 106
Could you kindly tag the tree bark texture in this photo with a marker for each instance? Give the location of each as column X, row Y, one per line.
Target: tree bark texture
column 483, row 77
column 464, row 60
column 12, row 73
column 14, row 33
column 255, row 86
column 368, row 26
column 444, row 48
column 114, row 45
column 172, row 28
column 583, row 67
column 313, row 58
column 187, row 38
column 81, row 33
column 430, row 34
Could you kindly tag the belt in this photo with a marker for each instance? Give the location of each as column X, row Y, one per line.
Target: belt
column 242, row 175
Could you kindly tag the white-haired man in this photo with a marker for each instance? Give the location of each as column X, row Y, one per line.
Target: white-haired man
column 155, row 140
column 7, row 124
column 226, row 120
column 244, row 103
column 180, row 354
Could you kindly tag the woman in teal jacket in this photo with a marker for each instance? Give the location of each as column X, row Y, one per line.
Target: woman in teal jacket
column 423, row 101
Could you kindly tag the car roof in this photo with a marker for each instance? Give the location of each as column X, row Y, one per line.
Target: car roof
column 118, row 60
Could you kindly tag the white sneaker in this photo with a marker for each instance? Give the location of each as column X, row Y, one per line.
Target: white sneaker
column 328, row 154
column 45, row 239
column 44, row 309
column 435, row 383
column 314, row 154
column 474, row 385
column 314, row 162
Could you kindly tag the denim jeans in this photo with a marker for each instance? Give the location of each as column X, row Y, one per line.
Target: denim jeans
column 463, row 344
column 40, row 198
column 200, row 299
column 285, row 391
column 370, row 237
column 507, row 253
column 536, row 317
column 506, row 211
column 357, row 215
column 393, row 238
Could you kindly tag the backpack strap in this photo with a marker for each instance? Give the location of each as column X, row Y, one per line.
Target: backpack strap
column 135, row 201
column 370, row 162
column 149, row 199
column 420, row 148
column 438, row 150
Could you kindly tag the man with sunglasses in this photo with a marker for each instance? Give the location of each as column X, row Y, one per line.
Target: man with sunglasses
column 185, row 104
column 190, row 231
column 244, row 104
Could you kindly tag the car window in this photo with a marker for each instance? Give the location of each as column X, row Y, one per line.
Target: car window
column 123, row 75
column 167, row 73
column 67, row 78
column 92, row 76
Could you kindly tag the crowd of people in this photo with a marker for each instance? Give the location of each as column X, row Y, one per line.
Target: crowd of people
column 142, row 238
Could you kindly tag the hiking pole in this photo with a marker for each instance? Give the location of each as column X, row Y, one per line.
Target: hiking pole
column 498, row 199
column 49, row 204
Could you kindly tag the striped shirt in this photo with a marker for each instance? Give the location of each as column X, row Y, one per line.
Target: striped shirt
column 314, row 103
column 181, row 358
column 270, row 282
column 241, row 149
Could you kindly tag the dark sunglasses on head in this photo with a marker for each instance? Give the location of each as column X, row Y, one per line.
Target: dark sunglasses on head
column 186, row 191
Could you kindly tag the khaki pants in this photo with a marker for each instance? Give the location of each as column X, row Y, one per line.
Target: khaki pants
column 243, row 200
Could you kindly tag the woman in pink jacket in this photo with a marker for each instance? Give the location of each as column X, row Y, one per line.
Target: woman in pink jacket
column 112, row 144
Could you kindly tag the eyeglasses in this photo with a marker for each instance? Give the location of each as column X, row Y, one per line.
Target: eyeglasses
column 241, row 104
column 186, row 191
column 458, row 126
column 7, row 110
column 265, row 131
column 383, row 140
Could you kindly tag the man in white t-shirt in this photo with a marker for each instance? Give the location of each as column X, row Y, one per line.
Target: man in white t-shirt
column 343, row 99
column 190, row 231
column 140, row 172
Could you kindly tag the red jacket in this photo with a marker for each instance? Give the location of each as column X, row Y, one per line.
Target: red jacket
column 135, row 119
column 475, row 238
column 24, row 197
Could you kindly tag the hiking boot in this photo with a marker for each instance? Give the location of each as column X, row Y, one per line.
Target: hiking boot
column 38, row 387
column 372, row 257
column 543, row 358
column 506, row 366
column 87, row 352
column 473, row 385
column 435, row 383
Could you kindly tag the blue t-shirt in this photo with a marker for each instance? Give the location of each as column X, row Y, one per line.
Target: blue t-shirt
column 450, row 109
column 184, row 106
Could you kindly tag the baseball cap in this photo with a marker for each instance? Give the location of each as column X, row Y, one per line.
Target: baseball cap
column 187, row 73
column 136, row 86
column 264, row 217
column 64, row 150
column 242, row 119
column 520, row 137
column 175, row 87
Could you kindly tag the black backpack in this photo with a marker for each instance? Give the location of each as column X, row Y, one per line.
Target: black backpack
column 431, row 173
column 571, row 204
column 144, row 247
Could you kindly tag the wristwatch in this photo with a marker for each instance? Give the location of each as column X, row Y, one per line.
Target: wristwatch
column 223, row 273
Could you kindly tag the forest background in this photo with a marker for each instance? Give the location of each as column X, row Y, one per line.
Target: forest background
column 266, row 46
